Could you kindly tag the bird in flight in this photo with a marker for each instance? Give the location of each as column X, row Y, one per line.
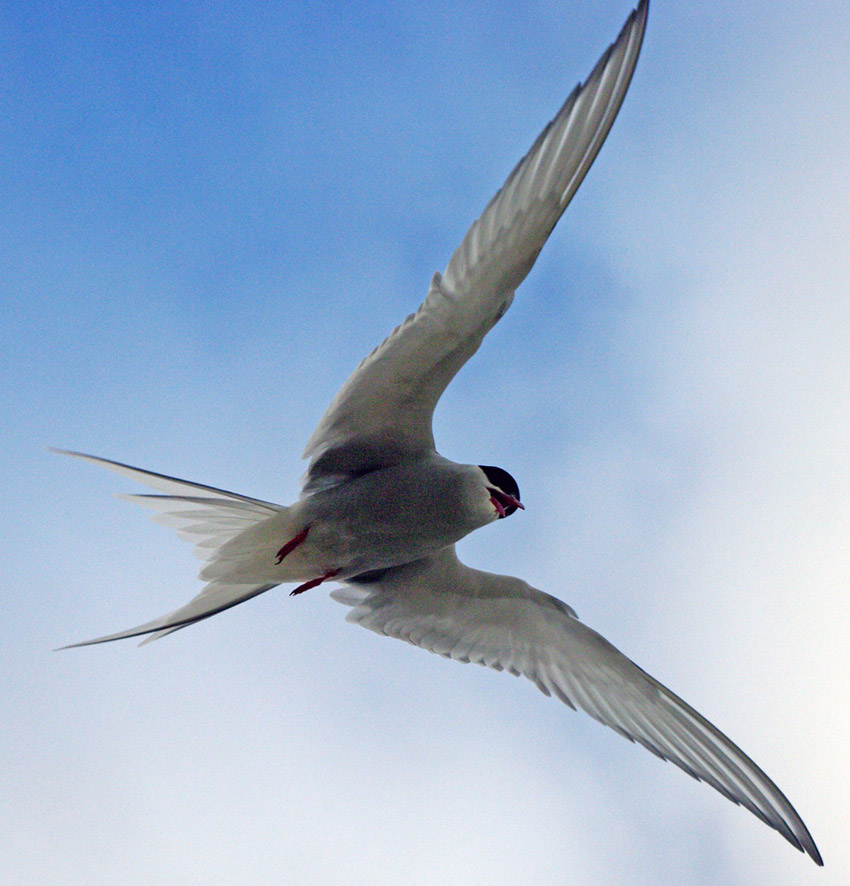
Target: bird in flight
column 380, row 510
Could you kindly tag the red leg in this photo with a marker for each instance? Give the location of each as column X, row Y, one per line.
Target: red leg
column 314, row 582
column 292, row 544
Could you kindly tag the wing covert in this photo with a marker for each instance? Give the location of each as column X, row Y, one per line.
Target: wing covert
column 503, row 623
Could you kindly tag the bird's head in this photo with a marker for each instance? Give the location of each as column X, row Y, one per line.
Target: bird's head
column 503, row 490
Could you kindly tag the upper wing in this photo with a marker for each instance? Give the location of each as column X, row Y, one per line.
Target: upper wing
column 473, row 616
column 383, row 412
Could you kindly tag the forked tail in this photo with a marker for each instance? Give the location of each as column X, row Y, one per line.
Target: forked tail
column 214, row 520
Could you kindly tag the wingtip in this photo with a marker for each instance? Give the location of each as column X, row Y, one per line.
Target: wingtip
column 641, row 12
column 637, row 20
column 811, row 850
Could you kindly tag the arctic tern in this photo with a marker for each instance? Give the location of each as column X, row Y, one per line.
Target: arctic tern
column 380, row 510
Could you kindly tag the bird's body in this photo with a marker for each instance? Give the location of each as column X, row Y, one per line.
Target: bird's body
column 380, row 510
column 375, row 521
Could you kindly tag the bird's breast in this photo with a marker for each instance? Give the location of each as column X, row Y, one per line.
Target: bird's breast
column 389, row 517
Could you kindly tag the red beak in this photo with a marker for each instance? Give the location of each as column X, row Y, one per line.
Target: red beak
column 501, row 501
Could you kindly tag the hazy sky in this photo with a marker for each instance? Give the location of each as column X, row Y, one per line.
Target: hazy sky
column 209, row 213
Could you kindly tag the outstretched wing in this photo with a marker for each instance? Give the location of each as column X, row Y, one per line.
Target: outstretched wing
column 473, row 616
column 382, row 414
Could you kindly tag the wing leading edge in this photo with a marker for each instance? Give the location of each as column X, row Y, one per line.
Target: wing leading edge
column 468, row 615
column 382, row 414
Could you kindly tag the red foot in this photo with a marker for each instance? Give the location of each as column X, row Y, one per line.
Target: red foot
column 313, row 583
column 292, row 544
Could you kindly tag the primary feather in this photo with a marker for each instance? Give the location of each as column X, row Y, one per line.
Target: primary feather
column 382, row 414
column 468, row 615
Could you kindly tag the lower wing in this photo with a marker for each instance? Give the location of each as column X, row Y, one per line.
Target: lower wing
column 473, row 616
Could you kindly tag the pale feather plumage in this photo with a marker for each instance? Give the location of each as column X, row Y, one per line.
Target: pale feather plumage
column 381, row 418
column 472, row 616
column 382, row 414
column 208, row 517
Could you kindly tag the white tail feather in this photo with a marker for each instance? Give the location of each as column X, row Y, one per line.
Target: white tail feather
column 225, row 528
column 209, row 523
column 214, row 598
column 204, row 515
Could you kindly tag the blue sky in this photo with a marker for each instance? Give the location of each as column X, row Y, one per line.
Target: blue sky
column 209, row 213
